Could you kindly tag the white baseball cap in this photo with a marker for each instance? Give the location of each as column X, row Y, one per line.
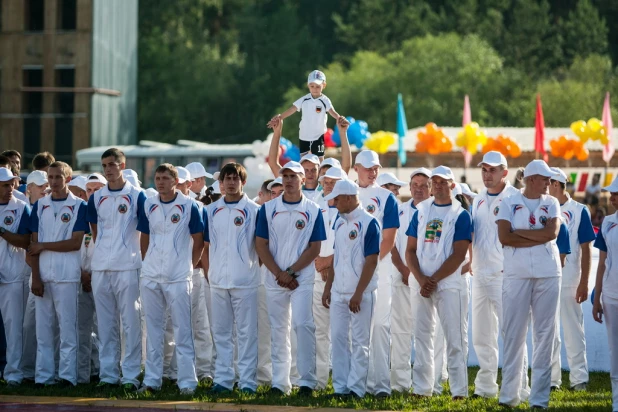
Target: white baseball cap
column 560, row 175
column 277, row 181
column 343, row 187
column 367, row 159
column 150, row 192
column 131, row 176
column 457, row 190
column 538, row 167
column 466, row 190
column 389, row 178
column 183, row 175
column 294, row 167
column 96, row 178
column 6, row 175
column 78, row 181
column 493, row 158
column 330, row 161
column 310, row 158
column 443, row 172
column 316, row 77
column 420, row 171
column 216, row 189
column 215, row 175
column 334, row 173
column 613, row 187
column 196, row 169
column 38, row 177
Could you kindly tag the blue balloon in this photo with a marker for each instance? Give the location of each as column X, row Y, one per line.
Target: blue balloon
column 336, row 137
column 358, row 132
column 293, row 153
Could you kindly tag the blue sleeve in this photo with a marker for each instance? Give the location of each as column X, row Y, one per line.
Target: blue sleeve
column 463, row 227
column 564, row 246
column 143, row 225
column 261, row 230
column 413, row 226
column 318, row 233
column 391, row 213
column 585, row 232
column 34, row 218
column 22, row 188
column 196, row 224
column 81, row 225
column 599, row 243
column 24, row 222
column 141, row 200
column 92, row 211
column 205, row 218
column 372, row 239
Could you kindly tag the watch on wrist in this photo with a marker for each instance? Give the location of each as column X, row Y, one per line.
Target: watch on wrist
column 2, row 231
column 291, row 272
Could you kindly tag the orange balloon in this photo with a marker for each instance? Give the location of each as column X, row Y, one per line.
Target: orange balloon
column 421, row 147
column 431, row 128
column 582, row 155
column 515, row 150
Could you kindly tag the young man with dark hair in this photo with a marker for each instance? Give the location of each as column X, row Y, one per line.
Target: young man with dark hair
column 15, row 158
column 42, row 161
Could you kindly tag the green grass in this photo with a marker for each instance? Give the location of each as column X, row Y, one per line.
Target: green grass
column 597, row 398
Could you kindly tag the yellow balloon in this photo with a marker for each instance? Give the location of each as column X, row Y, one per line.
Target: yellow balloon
column 604, row 139
column 472, row 148
column 594, row 124
column 461, row 139
column 578, row 127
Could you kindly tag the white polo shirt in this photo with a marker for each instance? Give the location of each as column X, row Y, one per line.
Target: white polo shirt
column 607, row 241
column 577, row 219
column 314, row 114
column 230, row 230
column 15, row 218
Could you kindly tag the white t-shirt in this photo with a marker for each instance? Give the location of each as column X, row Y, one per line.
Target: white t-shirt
column 314, row 113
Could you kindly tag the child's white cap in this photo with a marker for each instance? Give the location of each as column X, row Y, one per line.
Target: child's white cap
column 316, row 77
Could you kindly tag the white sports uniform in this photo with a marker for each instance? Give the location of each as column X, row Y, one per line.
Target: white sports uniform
column 531, row 284
column 289, row 228
column 15, row 218
column 313, row 194
column 437, row 228
column 116, row 261
column 487, row 265
column 234, row 279
column 55, row 221
column 166, row 283
column 357, row 236
column 607, row 241
column 314, row 114
column 577, row 219
column 321, row 315
column 381, row 204
column 264, row 369
column 403, row 310
column 86, row 321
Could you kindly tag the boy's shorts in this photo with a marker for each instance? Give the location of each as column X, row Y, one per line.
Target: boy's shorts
column 316, row 147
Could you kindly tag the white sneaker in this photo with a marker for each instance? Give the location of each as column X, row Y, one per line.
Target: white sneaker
column 187, row 391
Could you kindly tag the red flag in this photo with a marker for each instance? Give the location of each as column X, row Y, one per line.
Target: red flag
column 539, row 125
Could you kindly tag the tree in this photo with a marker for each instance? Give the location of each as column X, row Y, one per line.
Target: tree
column 584, row 32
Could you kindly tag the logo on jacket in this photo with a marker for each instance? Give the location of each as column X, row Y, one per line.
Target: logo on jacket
column 543, row 220
column 238, row 221
column 532, row 220
column 353, row 234
column 65, row 218
column 300, row 224
column 318, row 109
column 122, row 208
column 175, row 218
column 433, row 231
column 496, row 210
column 8, row 220
column 371, row 208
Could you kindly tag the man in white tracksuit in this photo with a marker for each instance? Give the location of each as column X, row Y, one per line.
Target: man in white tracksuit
column 405, row 293
column 234, row 279
column 171, row 243
column 574, row 288
column 438, row 239
column 288, row 236
column 198, row 179
column 14, row 240
column 323, row 263
column 528, row 226
column 381, row 204
column 487, row 265
column 350, row 291
column 116, row 261
column 58, row 225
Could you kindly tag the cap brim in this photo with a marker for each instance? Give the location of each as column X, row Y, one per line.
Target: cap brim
column 611, row 188
column 331, row 196
column 491, row 164
column 315, row 81
column 443, row 176
column 9, row 179
column 298, row 172
column 369, row 165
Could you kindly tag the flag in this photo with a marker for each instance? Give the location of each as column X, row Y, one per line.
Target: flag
column 402, row 129
column 608, row 149
column 467, row 118
column 539, row 125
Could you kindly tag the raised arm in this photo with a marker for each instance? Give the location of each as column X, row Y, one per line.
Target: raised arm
column 346, row 153
column 273, row 152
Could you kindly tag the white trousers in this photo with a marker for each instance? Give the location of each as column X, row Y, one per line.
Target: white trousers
column 13, row 298
column 158, row 298
column 321, row 317
column 571, row 317
column 351, row 337
column 447, row 304
column 87, row 336
column 519, row 296
column 379, row 379
column 116, row 295
column 264, row 370
column 610, row 314
column 401, row 335
column 28, row 359
column 235, row 307
column 212, row 355
column 286, row 305
column 59, row 300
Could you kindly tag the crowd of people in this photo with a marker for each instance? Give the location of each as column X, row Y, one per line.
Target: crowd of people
column 317, row 274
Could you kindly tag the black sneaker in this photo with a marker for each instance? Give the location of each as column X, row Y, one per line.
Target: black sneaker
column 337, row 395
column 354, row 395
column 305, row 391
column 382, row 395
column 276, row 391
column 538, row 407
column 63, row 383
